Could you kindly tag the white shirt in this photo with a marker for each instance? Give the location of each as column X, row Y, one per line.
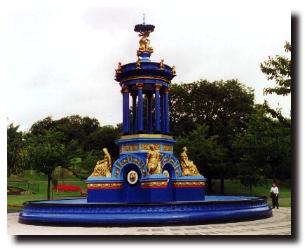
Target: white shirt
column 274, row 190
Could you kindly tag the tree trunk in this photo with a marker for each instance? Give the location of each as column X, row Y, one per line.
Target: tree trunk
column 222, row 185
column 49, row 185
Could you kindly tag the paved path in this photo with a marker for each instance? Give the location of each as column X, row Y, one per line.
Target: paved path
column 278, row 224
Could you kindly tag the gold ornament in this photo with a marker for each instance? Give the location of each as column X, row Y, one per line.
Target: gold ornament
column 167, row 147
column 162, row 64
column 130, row 147
column 189, row 184
column 144, row 43
column 174, row 70
column 103, row 167
column 153, row 160
column 138, row 64
column 188, row 167
column 160, row 184
column 118, row 70
column 104, row 185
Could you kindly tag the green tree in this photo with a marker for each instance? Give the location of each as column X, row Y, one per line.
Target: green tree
column 264, row 150
column 219, row 104
column 80, row 135
column 104, row 136
column 278, row 68
column 15, row 150
column 224, row 106
column 45, row 153
column 204, row 150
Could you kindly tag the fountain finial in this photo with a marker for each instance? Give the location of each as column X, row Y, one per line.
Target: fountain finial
column 145, row 50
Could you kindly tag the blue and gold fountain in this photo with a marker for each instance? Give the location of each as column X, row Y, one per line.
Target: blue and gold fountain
column 147, row 184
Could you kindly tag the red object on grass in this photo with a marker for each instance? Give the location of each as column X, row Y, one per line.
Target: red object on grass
column 67, row 188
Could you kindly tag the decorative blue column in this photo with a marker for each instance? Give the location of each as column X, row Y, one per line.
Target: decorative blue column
column 134, row 113
column 140, row 107
column 166, row 110
column 149, row 113
column 163, row 113
column 157, row 106
column 125, row 93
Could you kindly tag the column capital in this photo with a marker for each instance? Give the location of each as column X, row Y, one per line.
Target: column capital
column 158, row 86
column 140, row 85
column 166, row 90
column 124, row 89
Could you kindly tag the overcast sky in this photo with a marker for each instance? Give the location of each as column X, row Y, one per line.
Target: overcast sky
column 62, row 61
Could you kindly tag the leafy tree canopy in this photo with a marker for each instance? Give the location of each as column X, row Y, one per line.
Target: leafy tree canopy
column 222, row 105
column 15, row 151
column 278, row 68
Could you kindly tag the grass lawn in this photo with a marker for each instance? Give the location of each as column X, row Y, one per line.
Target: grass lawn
column 235, row 188
column 14, row 202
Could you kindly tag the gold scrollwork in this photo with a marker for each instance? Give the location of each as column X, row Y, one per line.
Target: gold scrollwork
column 189, row 184
column 130, row 147
column 147, row 146
column 167, row 147
column 104, row 185
column 154, row 184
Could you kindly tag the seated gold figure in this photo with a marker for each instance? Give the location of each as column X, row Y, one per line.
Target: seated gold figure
column 153, row 160
column 188, row 167
column 144, row 43
column 103, row 167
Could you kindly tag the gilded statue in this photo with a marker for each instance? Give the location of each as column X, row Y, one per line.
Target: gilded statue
column 174, row 70
column 119, row 68
column 145, row 42
column 103, row 167
column 188, row 167
column 153, row 160
column 162, row 64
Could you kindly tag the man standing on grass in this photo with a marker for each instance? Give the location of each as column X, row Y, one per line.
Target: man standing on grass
column 275, row 196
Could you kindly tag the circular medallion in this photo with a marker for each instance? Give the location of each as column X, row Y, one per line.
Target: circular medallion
column 166, row 173
column 132, row 177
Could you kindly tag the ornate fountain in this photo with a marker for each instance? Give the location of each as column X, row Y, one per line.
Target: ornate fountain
column 147, row 183
column 147, row 170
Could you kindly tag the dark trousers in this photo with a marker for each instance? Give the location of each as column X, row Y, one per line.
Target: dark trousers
column 275, row 200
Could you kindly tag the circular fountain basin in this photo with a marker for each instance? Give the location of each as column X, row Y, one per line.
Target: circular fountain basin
column 80, row 212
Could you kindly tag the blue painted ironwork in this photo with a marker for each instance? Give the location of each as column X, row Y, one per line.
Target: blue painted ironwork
column 149, row 114
column 140, row 110
column 166, row 112
column 157, row 110
column 134, row 113
column 162, row 113
column 79, row 212
column 125, row 112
